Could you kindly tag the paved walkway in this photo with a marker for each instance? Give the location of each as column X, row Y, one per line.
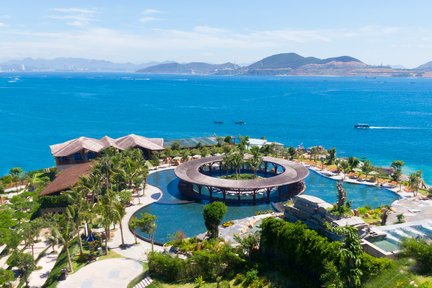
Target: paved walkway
column 117, row 272
column 134, row 251
column 38, row 277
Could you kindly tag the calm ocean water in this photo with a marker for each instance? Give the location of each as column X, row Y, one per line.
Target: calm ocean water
column 37, row 110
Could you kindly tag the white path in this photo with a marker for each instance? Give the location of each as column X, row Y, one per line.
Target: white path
column 134, row 251
column 38, row 277
column 117, row 272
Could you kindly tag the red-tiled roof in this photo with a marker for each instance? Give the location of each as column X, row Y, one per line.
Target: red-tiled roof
column 67, row 178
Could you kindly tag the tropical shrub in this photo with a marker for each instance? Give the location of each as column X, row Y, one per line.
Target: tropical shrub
column 294, row 247
column 421, row 251
column 213, row 214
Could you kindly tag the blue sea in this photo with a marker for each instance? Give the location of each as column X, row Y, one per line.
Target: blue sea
column 39, row 109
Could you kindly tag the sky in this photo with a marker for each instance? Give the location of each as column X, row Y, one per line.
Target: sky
column 385, row 32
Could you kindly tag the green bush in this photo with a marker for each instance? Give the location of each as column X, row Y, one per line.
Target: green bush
column 222, row 262
column 294, row 247
column 54, row 201
column 421, row 251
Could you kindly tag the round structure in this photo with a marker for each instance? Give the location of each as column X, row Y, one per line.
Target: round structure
column 199, row 179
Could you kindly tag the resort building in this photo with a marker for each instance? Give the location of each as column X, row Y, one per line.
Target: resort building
column 282, row 179
column 83, row 149
column 66, row 179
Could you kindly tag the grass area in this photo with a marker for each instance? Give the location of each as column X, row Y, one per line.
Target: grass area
column 401, row 275
column 240, row 176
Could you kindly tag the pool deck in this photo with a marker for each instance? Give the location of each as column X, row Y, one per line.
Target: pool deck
column 412, row 209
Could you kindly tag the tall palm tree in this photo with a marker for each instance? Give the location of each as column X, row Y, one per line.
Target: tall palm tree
column 107, row 214
column 256, row 159
column 121, row 212
column 397, row 173
column 415, row 179
column 147, row 224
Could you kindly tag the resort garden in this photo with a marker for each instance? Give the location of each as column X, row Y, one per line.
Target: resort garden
column 279, row 254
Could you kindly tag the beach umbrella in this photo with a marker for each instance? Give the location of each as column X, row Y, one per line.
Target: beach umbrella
column 357, row 170
column 196, row 156
column 374, row 173
column 177, row 158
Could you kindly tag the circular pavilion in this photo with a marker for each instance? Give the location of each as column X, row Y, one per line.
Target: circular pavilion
column 281, row 179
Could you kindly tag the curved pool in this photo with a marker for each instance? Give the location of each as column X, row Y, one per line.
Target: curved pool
column 175, row 212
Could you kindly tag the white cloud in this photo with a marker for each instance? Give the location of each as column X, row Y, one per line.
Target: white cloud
column 149, row 15
column 78, row 17
column 214, row 44
column 2, row 24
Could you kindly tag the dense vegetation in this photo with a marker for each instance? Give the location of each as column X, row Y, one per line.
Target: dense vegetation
column 296, row 248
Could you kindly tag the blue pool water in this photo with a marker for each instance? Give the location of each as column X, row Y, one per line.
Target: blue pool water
column 175, row 214
column 42, row 109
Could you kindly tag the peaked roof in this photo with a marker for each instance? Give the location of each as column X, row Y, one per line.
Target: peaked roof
column 107, row 141
column 67, row 178
column 72, row 146
column 133, row 140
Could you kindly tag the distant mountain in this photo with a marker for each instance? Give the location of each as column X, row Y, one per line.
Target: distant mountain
column 190, row 68
column 425, row 67
column 71, row 64
column 294, row 61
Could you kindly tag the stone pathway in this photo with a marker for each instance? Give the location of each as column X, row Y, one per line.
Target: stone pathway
column 117, row 272
column 38, row 277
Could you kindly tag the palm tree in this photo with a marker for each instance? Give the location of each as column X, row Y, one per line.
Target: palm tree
column 415, row 181
column 121, row 212
column 367, row 168
column 331, row 156
column 107, row 214
column 147, row 224
column 65, row 227
column 15, row 174
column 397, row 173
column 256, row 159
column 78, row 211
column 234, row 160
column 353, row 162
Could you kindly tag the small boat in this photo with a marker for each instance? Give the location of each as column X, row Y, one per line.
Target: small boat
column 218, row 122
column 361, row 126
column 241, row 122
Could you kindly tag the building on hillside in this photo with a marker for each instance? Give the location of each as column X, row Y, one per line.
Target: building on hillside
column 83, row 149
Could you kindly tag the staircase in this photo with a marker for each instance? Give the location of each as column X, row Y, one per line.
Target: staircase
column 144, row 283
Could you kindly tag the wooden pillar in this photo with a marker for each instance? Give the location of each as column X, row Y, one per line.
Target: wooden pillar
column 279, row 191
column 224, row 195
column 199, row 190
column 211, row 168
column 238, row 195
column 265, row 169
column 211, row 192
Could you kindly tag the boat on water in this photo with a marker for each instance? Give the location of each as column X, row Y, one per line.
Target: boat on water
column 241, row 122
column 361, row 126
column 218, row 122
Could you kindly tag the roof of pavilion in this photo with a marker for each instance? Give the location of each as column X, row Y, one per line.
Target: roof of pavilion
column 293, row 173
column 97, row 145
column 67, row 178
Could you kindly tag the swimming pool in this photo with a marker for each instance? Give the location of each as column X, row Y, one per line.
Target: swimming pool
column 396, row 234
column 177, row 213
